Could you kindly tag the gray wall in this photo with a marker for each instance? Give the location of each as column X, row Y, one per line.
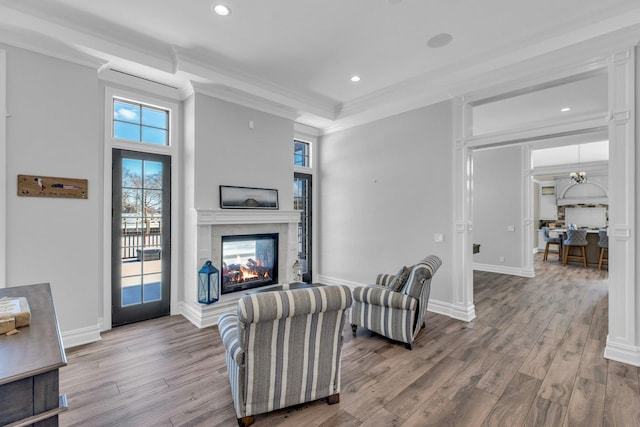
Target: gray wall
column 56, row 128
column 53, row 130
column 385, row 190
column 228, row 152
column 497, row 195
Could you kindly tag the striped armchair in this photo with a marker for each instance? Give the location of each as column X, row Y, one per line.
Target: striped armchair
column 398, row 315
column 283, row 348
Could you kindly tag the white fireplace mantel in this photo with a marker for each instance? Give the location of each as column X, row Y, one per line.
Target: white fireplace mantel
column 245, row 216
column 211, row 224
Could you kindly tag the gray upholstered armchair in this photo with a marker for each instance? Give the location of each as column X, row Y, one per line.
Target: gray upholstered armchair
column 283, row 348
column 395, row 308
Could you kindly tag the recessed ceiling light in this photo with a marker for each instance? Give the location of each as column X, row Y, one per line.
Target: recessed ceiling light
column 355, row 79
column 439, row 40
column 221, row 9
column 565, row 109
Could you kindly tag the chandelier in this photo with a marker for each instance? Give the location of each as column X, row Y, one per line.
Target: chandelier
column 578, row 177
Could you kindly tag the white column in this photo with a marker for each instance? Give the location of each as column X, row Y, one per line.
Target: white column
column 623, row 341
column 462, row 306
column 526, row 209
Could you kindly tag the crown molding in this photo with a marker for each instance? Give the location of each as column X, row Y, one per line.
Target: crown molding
column 103, row 46
column 557, row 56
column 201, row 66
column 122, row 78
column 91, row 44
column 306, row 130
column 245, row 99
column 37, row 43
column 387, row 108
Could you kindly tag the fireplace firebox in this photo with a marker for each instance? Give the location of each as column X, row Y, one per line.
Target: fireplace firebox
column 249, row 261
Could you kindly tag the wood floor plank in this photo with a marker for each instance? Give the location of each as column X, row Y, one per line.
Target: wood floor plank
column 593, row 365
column 558, row 325
column 545, row 413
column 558, row 384
column 498, row 377
column 434, row 413
column 472, row 405
column 533, row 356
column 622, row 404
column 512, row 408
column 540, row 357
column 413, row 396
column 575, row 338
column 586, row 407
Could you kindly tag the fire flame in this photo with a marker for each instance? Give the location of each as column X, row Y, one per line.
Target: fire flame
column 250, row 270
column 247, row 273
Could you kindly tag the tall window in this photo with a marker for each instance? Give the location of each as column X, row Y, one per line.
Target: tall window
column 301, row 154
column 302, row 180
column 139, row 122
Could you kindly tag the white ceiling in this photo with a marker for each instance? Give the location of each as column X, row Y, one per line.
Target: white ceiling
column 299, row 54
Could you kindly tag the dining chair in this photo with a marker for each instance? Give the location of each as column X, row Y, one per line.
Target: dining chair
column 575, row 239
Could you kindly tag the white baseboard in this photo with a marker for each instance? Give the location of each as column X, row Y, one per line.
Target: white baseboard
column 622, row 353
column 204, row 316
column 81, row 336
column 512, row 271
column 327, row 280
column 454, row 311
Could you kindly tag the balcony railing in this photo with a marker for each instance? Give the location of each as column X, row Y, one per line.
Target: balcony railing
column 132, row 242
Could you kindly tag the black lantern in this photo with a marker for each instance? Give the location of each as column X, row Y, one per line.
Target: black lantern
column 208, row 284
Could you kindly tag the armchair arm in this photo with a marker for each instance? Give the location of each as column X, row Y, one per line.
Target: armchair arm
column 383, row 296
column 228, row 327
column 384, row 279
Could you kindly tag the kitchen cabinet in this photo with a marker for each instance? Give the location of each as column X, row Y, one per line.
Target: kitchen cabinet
column 548, row 206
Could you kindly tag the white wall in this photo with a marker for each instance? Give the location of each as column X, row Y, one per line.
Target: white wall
column 497, row 194
column 385, row 189
column 53, row 131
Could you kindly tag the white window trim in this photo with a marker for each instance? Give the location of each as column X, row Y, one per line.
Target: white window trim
column 305, row 169
column 172, row 150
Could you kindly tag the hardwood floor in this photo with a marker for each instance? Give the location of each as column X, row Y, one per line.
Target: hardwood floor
column 532, row 357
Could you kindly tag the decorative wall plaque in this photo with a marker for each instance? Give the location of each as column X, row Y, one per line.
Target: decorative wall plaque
column 47, row 186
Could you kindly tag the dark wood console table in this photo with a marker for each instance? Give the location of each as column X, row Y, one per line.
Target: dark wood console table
column 29, row 364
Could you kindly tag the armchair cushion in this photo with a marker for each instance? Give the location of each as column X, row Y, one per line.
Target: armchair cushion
column 400, row 279
column 383, row 296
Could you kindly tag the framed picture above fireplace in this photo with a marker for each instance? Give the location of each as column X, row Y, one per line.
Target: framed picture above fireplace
column 248, row 198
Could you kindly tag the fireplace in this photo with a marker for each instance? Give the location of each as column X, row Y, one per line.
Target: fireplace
column 249, row 261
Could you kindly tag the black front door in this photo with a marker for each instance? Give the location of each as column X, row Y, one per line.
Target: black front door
column 141, row 236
